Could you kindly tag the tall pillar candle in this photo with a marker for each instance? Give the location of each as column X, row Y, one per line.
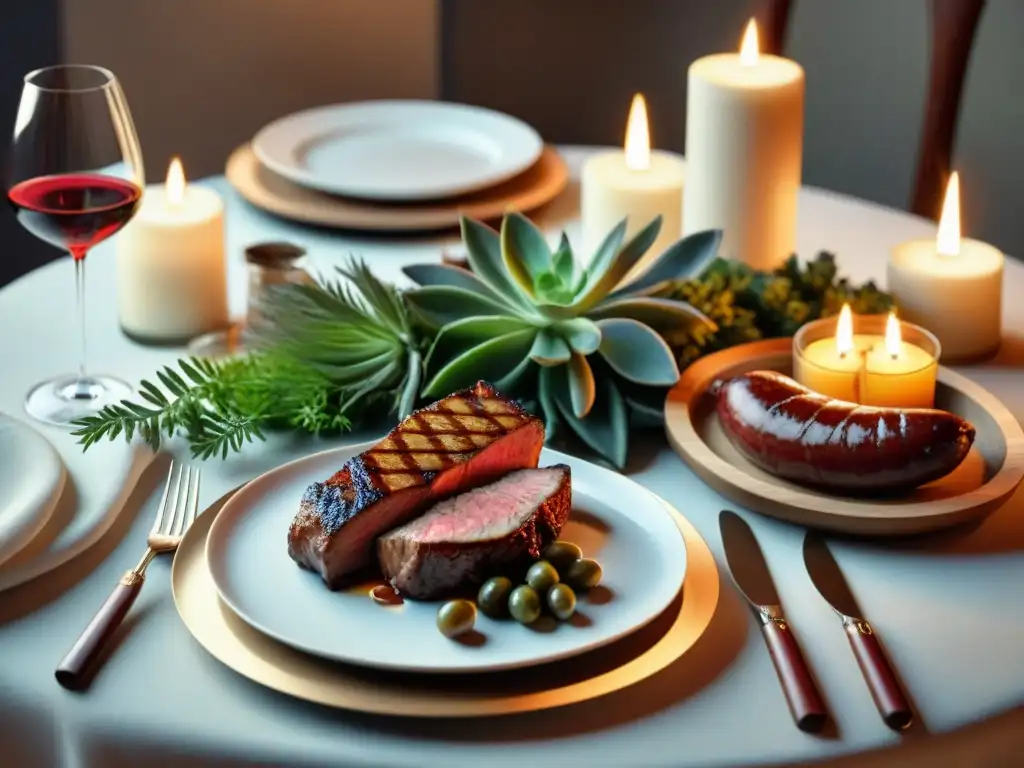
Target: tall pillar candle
column 951, row 285
column 635, row 184
column 744, row 140
column 171, row 268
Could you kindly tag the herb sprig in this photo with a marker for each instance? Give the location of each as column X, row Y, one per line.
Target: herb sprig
column 330, row 353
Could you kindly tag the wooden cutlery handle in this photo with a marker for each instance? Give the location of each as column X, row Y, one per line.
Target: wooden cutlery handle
column 878, row 674
column 77, row 668
column 801, row 693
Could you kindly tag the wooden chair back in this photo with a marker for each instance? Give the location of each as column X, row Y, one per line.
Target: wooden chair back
column 953, row 27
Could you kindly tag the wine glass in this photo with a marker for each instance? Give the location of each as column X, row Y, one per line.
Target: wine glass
column 75, row 177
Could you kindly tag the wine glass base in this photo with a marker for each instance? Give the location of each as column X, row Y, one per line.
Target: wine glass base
column 67, row 399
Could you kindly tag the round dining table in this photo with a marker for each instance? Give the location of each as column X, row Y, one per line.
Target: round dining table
column 949, row 606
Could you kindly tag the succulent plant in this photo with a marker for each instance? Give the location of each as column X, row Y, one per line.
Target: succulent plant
column 572, row 337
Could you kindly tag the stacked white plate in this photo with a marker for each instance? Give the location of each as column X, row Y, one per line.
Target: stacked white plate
column 396, row 165
column 31, row 480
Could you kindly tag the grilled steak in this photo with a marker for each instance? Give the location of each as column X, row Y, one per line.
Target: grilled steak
column 467, row 439
column 464, row 540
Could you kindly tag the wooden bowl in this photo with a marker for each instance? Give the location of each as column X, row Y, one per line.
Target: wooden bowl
column 982, row 483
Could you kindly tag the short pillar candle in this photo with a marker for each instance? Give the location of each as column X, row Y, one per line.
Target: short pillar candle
column 171, row 267
column 952, row 285
column 635, row 184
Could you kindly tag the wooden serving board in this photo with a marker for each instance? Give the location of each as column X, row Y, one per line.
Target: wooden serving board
column 987, row 477
column 263, row 188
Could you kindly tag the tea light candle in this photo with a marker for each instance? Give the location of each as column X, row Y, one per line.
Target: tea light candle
column 868, row 367
column 744, row 144
column 897, row 374
column 171, row 270
column 831, row 365
column 634, row 183
column 952, row 285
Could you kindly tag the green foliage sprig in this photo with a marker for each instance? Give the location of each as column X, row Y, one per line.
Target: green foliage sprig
column 748, row 305
column 331, row 352
column 220, row 405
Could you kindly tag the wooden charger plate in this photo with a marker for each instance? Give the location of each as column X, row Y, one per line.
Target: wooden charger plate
column 987, row 477
column 536, row 186
column 597, row 673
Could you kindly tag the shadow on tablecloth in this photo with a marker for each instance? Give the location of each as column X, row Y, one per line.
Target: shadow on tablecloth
column 1000, row 532
column 29, row 733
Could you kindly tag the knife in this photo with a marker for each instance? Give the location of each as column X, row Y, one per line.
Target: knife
column 878, row 674
column 754, row 581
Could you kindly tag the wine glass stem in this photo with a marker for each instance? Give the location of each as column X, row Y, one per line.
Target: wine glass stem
column 80, row 302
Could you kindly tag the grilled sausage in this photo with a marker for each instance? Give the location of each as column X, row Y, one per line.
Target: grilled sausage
column 797, row 434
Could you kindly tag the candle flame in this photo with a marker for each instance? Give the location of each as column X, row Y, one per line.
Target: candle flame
column 893, row 340
column 749, row 48
column 638, row 136
column 947, row 242
column 844, row 331
column 175, row 182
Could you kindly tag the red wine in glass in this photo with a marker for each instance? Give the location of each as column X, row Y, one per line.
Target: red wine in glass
column 74, row 178
column 74, row 211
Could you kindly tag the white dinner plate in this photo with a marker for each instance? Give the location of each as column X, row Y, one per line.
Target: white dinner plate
column 31, row 481
column 397, row 150
column 616, row 521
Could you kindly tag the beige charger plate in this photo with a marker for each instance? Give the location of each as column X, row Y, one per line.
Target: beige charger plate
column 267, row 662
column 531, row 189
column 982, row 483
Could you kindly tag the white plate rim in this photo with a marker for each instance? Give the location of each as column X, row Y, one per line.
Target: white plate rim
column 234, row 509
column 47, row 481
column 275, row 144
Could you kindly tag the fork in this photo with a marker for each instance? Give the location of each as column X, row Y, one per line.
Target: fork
column 176, row 513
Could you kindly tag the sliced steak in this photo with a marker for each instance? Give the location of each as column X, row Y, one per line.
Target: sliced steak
column 465, row 440
column 464, row 540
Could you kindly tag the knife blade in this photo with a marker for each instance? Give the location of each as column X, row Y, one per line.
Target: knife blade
column 754, row 581
column 881, row 680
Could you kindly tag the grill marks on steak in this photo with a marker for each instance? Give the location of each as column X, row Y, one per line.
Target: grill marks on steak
column 462, row 441
column 464, row 540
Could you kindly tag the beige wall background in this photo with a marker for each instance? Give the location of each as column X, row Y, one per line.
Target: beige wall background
column 203, row 75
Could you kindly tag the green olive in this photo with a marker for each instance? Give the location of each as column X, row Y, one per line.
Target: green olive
column 456, row 617
column 584, row 574
column 562, row 601
column 493, row 597
column 562, row 554
column 541, row 576
column 524, row 605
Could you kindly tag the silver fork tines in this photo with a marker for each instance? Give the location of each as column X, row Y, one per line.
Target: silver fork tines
column 178, row 508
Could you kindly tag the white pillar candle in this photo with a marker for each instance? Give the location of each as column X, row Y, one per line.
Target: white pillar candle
column 171, row 269
column 744, row 139
column 633, row 183
column 952, row 286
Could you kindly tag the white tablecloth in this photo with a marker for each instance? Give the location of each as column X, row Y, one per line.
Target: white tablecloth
column 949, row 607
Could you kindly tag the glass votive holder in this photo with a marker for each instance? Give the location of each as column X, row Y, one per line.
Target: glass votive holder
column 884, row 362
column 269, row 264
